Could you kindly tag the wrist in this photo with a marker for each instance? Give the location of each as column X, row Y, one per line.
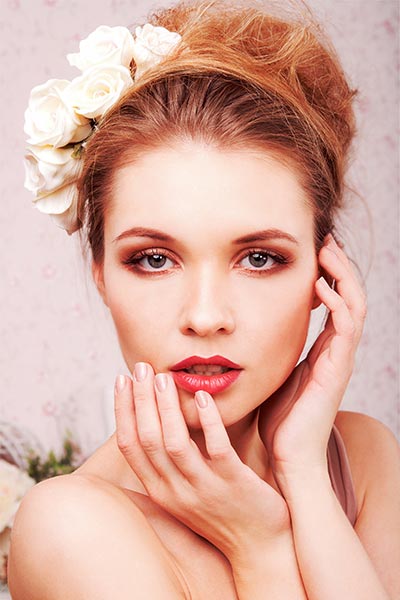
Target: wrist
column 303, row 482
column 251, row 554
column 270, row 568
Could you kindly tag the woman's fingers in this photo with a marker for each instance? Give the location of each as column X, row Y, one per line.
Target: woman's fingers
column 148, row 421
column 347, row 308
column 342, row 343
column 127, row 434
column 177, row 443
column 153, row 435
column 334, row 260
column 218, row 445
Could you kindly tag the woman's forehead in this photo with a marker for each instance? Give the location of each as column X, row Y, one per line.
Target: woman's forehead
column 200, row 186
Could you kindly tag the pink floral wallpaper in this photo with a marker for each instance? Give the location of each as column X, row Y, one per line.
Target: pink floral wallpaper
column 59, row 354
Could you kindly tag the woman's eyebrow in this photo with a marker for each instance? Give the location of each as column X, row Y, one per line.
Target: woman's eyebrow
column 145, row 232
column 155, row 234
column 266, row 234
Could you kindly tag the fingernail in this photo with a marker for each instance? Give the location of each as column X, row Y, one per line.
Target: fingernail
column 331, row 240
column 161, row 381
column 120, row 383
column 201, row 399
column 323, row 282
column 140, row 371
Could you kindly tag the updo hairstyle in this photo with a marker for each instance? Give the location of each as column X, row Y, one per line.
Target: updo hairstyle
column 241, row 78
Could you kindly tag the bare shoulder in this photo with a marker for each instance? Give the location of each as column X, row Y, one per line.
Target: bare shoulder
column 75, row 537
column 372, row 448
column 373, row 452
column 374, row 457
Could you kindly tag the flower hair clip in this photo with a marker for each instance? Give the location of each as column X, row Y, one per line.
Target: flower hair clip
column 62, row 115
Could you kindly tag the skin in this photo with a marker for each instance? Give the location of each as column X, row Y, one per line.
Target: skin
column 246, row 469
column 213, row 300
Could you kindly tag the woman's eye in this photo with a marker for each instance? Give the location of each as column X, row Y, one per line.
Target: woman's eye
column 153, row 260
column 149, row 260
column 258, row 260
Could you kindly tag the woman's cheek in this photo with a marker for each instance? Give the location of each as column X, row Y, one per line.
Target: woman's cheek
column 289, row 329
column 137, row 324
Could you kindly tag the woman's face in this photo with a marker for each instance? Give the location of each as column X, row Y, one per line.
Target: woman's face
column 226, row 277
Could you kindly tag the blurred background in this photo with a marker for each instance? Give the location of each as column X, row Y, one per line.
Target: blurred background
column 59, row 354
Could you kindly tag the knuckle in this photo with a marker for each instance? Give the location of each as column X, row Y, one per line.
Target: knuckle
column 149, row 442
column 220, row 453
column 177, row 451
column 124, row 443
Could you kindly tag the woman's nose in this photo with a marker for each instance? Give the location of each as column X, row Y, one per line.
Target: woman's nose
column 207, row 309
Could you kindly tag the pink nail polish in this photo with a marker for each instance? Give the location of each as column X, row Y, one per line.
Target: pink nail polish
column 201, row 399
column 161, row 382
column 140, row 371
column 120, row 383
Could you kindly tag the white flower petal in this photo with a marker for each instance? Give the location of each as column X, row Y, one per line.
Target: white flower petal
column 68, row 220
column 152, row 44
column 58, row 201
column 49, row 120
column 98, row 89
column 48, row 168
column 104, row 46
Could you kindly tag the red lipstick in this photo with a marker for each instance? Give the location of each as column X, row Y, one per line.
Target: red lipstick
column 212, row 383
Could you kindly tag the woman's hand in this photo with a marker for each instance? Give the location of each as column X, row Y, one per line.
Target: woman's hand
column 296, row 421
column 217, row 496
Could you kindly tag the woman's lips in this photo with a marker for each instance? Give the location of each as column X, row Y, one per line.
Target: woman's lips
column 213, row 384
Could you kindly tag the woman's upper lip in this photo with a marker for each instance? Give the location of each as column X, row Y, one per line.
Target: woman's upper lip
column 201, row 360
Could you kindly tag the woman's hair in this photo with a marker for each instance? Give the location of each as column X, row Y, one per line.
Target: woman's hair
column 242, row 78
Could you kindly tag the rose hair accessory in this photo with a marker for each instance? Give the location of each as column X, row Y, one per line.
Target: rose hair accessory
column 62, row 115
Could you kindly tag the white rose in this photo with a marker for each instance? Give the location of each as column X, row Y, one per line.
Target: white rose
column 67, row 220
column 14, row 483
column 61, row 205
column 47, row 169
column 50, row 174
column 98, row 89
column 152, row 44
column 49, row 120
column 105, row 46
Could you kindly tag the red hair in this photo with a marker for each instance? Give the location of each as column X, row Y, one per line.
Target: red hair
column 241, row 79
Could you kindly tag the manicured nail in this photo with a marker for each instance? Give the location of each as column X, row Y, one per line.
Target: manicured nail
column 201, row 399
column 161, row 381
column 120, row 383
column 140, row 371
column 331, row 240
column 322, row 281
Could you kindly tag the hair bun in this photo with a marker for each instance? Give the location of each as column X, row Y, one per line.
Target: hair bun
column 281, row 50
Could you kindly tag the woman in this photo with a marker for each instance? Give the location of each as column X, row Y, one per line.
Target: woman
column 208, row 192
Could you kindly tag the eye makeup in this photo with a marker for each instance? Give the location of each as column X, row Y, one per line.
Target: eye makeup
column 157, row 258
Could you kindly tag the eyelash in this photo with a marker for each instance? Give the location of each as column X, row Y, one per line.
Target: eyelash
column 133, row 261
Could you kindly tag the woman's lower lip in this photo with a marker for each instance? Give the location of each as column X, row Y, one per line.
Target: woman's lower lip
column 209, row 383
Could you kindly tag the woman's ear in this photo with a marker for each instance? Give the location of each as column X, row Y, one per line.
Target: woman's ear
column 98, row 277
